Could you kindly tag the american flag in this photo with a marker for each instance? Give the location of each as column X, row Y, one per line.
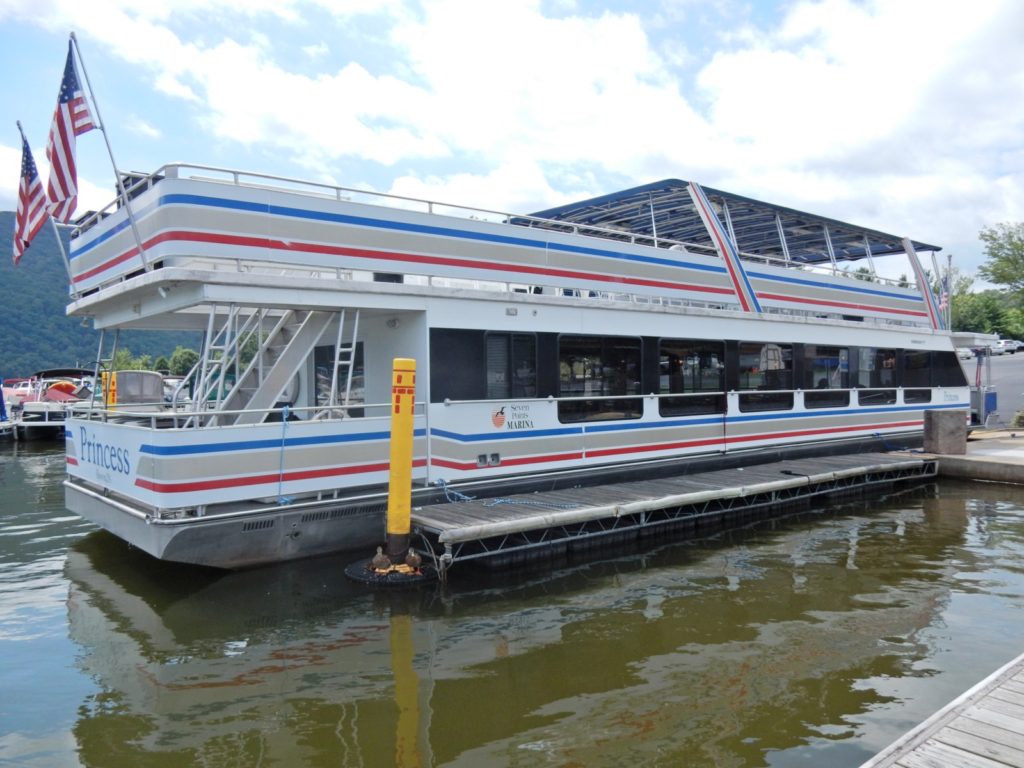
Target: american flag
column 71, row 118
column 31, row 203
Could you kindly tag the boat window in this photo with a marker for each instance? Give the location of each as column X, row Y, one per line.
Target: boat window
column 877, row 368
column 947, row 371
column 826, row 398
column 767, row 369
column 511, row 365
column 917, row 395
column 826, row 378
column 603, row 372
column 876, row 396
column 826, row 367
column 916, row 367
column 457, row 365
column 695, row 370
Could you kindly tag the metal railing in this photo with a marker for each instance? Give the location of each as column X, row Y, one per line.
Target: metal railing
column 159, row 416
column 352, row 194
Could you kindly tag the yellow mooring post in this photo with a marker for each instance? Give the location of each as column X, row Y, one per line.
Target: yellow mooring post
column 399, row 565
column 403, row 400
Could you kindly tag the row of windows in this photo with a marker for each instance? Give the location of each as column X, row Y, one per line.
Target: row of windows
column 603, row 376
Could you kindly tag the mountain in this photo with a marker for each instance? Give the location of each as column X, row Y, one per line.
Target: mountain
column 35, row 332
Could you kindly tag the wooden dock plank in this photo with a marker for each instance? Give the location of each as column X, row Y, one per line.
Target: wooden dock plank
column 1003, row 707
column 1010, row 697
column 982, row 727
column 978, row 744
column 1012, row 741
column 934, row 754
column 998, row 719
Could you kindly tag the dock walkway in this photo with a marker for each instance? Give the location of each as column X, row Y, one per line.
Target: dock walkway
column 983, row 728
column 521, row 526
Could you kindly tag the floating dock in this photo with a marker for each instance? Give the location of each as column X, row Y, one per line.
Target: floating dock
column 523, row 527
column 983, row 728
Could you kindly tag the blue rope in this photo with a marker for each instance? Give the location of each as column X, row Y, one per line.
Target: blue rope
column 450, row 495
column 281, row 498
column 887, row 445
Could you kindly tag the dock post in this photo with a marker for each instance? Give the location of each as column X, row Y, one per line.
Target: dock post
column 395, row 564
column 403, row 400
column 945, row 432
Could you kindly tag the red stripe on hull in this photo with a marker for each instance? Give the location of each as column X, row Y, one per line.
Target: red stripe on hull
column 287, row 477
column 364, row 253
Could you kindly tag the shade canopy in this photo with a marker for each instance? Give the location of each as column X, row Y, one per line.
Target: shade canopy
column 755, row 225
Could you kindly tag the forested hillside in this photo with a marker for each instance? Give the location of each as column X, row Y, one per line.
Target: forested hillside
column 36, row 333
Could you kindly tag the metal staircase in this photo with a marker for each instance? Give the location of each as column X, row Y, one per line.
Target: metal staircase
column 280, row 357
column 230, row 393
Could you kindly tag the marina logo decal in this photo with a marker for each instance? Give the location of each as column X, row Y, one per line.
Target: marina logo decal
column 498, row 418
column 512, row 417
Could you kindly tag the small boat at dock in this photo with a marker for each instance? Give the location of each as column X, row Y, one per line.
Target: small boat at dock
column 40, row 402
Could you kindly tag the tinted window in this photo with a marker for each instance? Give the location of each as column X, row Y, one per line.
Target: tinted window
column 694, row 370
column 916, row 368
column 947, row 371
column 597, row 368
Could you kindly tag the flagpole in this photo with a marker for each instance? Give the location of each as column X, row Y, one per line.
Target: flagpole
column 117, row 173
column 56, row 231
column 67, row 260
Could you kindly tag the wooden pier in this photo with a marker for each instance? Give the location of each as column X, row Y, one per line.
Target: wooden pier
column 503, row 531
column 983, row 728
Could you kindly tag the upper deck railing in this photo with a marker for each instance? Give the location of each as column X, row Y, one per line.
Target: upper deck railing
column 138, row 183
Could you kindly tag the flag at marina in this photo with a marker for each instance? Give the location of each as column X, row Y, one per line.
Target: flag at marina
column 71, row 118
column 31, row 213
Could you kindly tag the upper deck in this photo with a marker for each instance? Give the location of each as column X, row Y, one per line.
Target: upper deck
column 237, row 225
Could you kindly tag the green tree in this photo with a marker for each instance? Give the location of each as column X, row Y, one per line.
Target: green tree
column 1014, row 327
column 860, row 273
column 125, row 361
column 182, row 360
column 1004, row 249
column 980, row 313
column 162, row 364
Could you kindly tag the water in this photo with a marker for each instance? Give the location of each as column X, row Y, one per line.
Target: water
column 813, row 640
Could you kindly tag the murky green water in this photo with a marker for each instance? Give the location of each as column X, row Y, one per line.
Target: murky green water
column 814, row 641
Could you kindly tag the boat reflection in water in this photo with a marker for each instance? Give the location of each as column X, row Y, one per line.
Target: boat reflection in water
column 799, row 638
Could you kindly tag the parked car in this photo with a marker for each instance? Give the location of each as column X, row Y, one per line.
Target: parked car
column 995, row 348
column 964, row 353
column 1007, row 345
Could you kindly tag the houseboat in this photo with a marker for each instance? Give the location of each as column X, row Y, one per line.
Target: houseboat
column 659, row 326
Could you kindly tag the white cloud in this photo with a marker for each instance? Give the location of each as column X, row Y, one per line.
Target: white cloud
column 139, row 126
column 873, row 112
column 316, row 51
column 10, row 177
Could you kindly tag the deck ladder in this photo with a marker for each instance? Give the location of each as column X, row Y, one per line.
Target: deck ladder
column 344, row 365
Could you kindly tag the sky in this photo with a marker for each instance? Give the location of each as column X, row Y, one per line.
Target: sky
column 906, row 116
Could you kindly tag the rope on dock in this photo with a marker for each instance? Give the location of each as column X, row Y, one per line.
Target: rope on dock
column 889, row 446
column 451, row 495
